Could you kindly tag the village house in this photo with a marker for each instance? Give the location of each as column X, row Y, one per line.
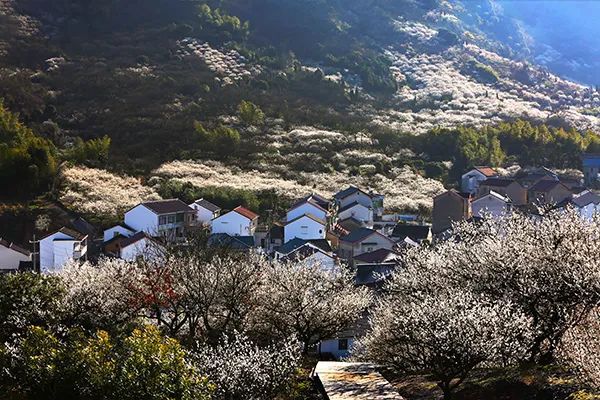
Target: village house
column 307, row 207
column 492, row 205
column 60, row 247
column 548, row 192
column 353, row 194
column 357, row 212
column 13, row 257
column 470, row 180
column 238, row 222
column 373, row 268
column 529, row 177
column 140, row 246
column 506, row 187
column 294, row 244
column 312, row 256
column 307, row 227
column 167, row 218
column 205, row 211
column 363, row 240
column 586, row 203
column 117, row 230
column 231, row 242
column 412, row 232
column 449, row 207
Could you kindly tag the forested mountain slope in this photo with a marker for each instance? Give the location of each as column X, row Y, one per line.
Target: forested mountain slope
column 307, row 95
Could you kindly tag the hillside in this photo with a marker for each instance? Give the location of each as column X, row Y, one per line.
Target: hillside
column 341, row 89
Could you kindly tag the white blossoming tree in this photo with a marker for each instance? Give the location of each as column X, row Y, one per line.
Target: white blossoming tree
column 241, row 370
column 496, row 291
column 580, row 348
column 445, row 335
column 309, row 302
column 102, row 295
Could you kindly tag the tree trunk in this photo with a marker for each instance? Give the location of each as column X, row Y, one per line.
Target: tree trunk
column 446, row 390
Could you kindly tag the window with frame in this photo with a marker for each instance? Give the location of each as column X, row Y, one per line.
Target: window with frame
column 162, row 220
column 179, row 217
column 171, row 219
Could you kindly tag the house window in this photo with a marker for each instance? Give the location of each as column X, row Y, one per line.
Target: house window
column 343, row 344
column 179, row 217
column 171, row 219
column 162, row 220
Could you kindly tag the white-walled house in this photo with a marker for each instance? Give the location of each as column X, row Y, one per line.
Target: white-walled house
column 363, row 240
column 586, row 203
column 312, row 256
column 169, row 218
column 492, row 205
column 61, row 247
column 307, row 227
column 358, row 211
column 305, row 208
column 205, row 211
column 238, row 222
column 140, row 245
column 339, row 348
column 117, row 230
column 353, row 194
column 11, row 256
column 470, row 180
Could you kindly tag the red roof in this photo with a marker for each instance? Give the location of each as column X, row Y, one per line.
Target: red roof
column 487, row 171
column 245, row 212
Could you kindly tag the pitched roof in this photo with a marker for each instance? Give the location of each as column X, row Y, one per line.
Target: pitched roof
column 487, row 171
column 342, row 194
column 377, row 256
column 208, row 205
column 495, row 195
column 415, row 232
column 369, row 274
column 545, row 185
column 134, row 239
column 296, row 243
column 231, row 242
column 69, row 232
column 309, row 216
column 350, row 224
column 585, row 199
column 304, row 252
column 360, row 234
column 245, row 212
column 351, row 205
column 310, row 200
column 14, row 247
column 167, row 206
column 498, row 182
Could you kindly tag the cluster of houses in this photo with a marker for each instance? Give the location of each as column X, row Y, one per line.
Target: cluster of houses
column 349, row 229
column 486, row 194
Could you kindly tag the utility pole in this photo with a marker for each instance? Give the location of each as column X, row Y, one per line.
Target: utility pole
column 34, row 254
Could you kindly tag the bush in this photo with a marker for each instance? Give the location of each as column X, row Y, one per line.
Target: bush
column 250, row 113
column 27, row 161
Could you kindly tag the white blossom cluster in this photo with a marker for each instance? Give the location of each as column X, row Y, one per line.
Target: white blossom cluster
column 100, row 193
column 414, row 29
column 438, row 93
column 229, row 66
column 580, row 348
column 404, row 189
column 496, row 291
column 101, row 295
column 241, row 370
